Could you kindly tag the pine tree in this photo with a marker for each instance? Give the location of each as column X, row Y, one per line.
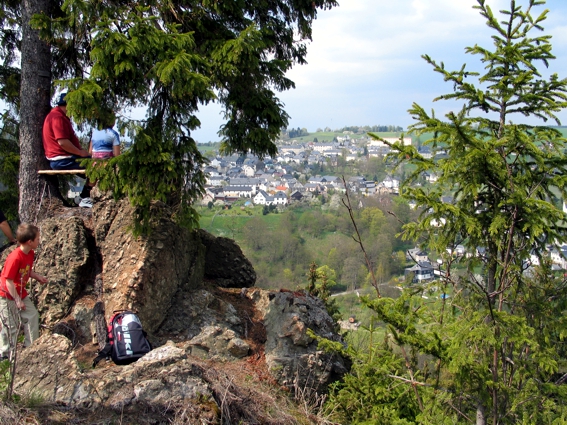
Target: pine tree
column 171, row 58
column 492, row 351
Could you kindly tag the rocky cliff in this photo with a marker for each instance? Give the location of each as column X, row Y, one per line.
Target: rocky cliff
column 219, row 342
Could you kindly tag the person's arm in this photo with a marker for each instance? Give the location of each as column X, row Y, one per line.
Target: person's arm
column 12, row 290
column 40, row 278
column 5, row 226
column 67, row 146
column 91, row 147
column 115, row 143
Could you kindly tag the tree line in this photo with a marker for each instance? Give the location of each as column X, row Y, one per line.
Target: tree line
column 372, row 128
column 282, row 251
column 296, row 132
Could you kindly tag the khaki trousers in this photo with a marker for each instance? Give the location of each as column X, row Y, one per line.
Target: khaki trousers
column 11, row 319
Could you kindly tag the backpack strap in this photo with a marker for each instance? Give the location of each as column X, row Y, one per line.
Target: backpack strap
column 103, row 354
column 107, row 350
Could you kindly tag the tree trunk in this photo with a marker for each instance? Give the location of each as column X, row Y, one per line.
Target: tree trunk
column 35, row 95
column 480, row 415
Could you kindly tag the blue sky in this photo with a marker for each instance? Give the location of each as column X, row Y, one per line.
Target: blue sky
column 365, row 66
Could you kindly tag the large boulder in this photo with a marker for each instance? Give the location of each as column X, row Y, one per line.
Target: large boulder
column 163, row 379
column 213, row 329
column 65, row 258
column 292, row 355
column 227, row 324
column 144, row 273
column 211, row 325
column 225, row 263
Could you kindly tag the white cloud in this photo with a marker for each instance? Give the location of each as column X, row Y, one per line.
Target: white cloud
column 364, row 63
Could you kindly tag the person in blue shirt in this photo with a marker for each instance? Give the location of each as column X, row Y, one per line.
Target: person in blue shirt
column 105, row 143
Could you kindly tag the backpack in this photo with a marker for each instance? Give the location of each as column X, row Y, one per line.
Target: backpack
column 126, row 340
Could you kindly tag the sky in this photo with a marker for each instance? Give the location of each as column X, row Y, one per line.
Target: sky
column 365, row 67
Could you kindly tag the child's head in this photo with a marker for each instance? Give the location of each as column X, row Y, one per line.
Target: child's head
column 26, row 232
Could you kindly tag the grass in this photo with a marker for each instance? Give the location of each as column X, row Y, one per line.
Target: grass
column 4, row 376
column 223, row 225
column 204, row 148
column 328, row 136
column 229, row 223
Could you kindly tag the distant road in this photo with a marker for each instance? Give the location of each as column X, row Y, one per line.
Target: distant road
column 361, row 293
column 344, row 293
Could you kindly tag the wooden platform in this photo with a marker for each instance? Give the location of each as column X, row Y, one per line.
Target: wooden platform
column 60, row 171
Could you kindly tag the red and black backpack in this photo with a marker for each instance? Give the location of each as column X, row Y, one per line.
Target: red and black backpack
column 126, row 340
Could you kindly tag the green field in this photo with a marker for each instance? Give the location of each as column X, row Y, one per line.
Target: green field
column 206, row 148
column 328, row 136
column 229, row 222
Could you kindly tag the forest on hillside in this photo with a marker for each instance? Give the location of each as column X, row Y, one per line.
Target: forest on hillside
column 282, row 245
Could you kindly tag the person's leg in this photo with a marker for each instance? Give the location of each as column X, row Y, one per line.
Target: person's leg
column 86, row 192
column 67, row 163
column 73, row 164
column 30, row 320
column 10, row 320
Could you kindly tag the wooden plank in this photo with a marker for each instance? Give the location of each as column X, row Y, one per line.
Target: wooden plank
column 60, row 171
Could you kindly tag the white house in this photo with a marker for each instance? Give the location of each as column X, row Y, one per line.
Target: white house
column 392, row 184
column 438, row 223
column 431, row 177
column 248, row 182
column 279, row 198
column 332, row 153
column 534, row 259
column 215, row 180
column 369, row 188
column 322, row 147
column 559, row 257
column 373, row 142
column 459, row 250
column 248, row 170
column 423, row 271
column 262, row 198
column 378, row 151
column 207, row 197
column 238, row 192
column 215, row 162
column 314, row 187
column 294, row 149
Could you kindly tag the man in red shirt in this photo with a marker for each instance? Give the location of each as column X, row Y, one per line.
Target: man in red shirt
column 15, row 306
column 61, row 144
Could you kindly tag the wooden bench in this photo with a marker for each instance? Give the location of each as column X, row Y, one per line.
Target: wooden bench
column 54, row 172
column 61, row 172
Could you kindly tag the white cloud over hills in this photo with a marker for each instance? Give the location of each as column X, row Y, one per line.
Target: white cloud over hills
column 365, row 66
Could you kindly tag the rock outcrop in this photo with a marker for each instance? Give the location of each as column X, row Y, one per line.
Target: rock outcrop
column 225, row 263
column 144, row 274
column 289, row 349
column 65, row 255
column 194, row 295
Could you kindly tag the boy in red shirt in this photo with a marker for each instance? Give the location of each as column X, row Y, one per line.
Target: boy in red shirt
column 15, row 306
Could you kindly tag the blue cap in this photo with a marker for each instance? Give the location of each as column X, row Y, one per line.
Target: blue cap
column 62, row 101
